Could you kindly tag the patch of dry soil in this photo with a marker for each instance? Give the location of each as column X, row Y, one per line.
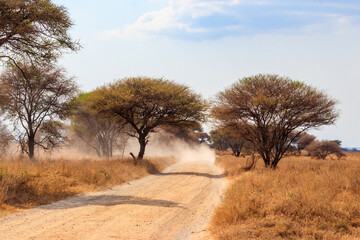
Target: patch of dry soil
column 176, row 204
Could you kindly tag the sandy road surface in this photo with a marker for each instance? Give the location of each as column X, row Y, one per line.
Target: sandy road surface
column 176, row 204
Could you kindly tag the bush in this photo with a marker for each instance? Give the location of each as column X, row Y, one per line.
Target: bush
column 322, row 149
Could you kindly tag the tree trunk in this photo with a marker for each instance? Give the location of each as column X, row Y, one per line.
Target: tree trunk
column 267, row 164
column 274, row 163
column 111, row 148
column 266, row 160
column 299, row 151
column 106, row 150
column 98, row 152
column 142, row 142
column 31, row 146
column 103, row 147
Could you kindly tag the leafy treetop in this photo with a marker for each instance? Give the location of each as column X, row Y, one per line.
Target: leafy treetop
column 35, row 29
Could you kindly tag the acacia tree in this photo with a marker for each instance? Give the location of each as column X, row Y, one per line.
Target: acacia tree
column 34, row 29
column 228, row 137
column 35, row 97
column 270, row 108
column 301, row 141
column 192, row 135
column 148, row 104
column 101, row 134
column 322, row 149
column 218, row 141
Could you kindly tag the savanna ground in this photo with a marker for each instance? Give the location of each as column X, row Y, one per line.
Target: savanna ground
column 175, row 204
column 303, row 199
column 25, row 184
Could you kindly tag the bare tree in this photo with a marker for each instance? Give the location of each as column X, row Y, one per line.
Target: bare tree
column 35, row 98
column 99, row 133
column 270, row 108
column 34, row 29
column 148, row 104
column 322, row 149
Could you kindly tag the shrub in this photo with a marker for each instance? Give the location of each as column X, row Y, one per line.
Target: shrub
column 322, row 149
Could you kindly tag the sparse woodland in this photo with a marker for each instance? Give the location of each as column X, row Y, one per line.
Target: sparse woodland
column 284, row 183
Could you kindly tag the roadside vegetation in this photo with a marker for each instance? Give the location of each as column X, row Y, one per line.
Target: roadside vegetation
column 305, row 198
column 25, row 184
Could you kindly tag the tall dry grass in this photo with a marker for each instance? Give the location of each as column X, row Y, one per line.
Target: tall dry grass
column 25, row 184
column 303, row 199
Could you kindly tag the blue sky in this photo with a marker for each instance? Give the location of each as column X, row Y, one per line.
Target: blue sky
column 208, row 45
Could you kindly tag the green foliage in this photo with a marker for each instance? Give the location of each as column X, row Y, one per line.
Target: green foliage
column 159, row 101
column 82, row 98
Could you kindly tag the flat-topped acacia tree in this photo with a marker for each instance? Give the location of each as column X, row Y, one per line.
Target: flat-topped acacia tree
column 147, row 104
column 271, row 109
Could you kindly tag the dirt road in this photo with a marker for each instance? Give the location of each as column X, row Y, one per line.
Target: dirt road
column 176, row 204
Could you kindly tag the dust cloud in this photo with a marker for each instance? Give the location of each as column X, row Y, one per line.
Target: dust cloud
column 167, row 145
column 160, row 145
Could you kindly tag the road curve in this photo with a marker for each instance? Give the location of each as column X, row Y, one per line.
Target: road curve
column 176, row 204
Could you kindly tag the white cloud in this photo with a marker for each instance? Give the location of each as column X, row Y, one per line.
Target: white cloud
column 180, row 17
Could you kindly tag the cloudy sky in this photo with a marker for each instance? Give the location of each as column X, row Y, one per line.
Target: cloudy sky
column 208, row 45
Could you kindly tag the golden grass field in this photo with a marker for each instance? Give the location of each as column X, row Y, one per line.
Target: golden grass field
column 303, row 199
column 25, row 184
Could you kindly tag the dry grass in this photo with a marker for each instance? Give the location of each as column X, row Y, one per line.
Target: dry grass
column 303, row 199
column 25, row 184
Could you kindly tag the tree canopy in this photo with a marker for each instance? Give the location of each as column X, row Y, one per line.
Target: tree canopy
column 35, row 29
column 147, row 104
column 270, row 108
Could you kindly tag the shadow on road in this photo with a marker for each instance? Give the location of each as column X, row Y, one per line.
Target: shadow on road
column 109, row 200
column 192, row 174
